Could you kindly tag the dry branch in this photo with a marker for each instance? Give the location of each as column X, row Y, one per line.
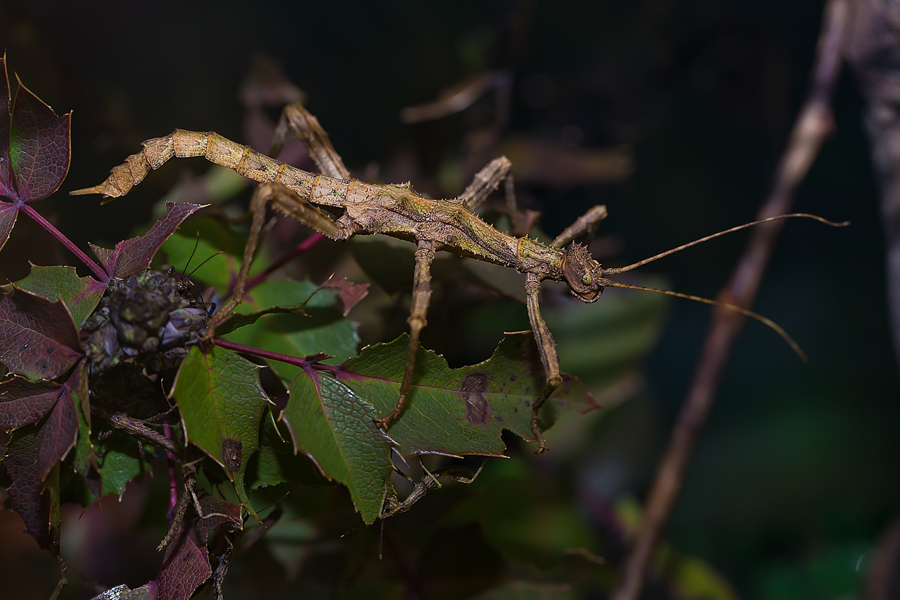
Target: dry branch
column 813, row 125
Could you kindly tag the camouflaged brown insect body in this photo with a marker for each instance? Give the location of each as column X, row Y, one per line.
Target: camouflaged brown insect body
column 394, row 210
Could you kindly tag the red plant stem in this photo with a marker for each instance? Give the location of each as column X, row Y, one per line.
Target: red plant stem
column 810, row 130
column 173, row 480
column 98, row 271
column 285, row 358
column 291, row 360
column 286, row 258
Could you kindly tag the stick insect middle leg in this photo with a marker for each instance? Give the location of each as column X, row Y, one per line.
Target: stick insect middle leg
column 421, row 297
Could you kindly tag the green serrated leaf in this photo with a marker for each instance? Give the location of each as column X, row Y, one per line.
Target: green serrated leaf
column 83, row 458
column 276, row 461
column 81, row 295
column 222, row 402
column 324, row 330
column 121, row 461
column 335, row 427
column 461, row 411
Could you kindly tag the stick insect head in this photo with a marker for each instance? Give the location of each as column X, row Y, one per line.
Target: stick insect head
column 582, row 273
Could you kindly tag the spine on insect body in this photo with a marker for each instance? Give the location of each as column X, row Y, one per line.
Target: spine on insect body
column 212, row 146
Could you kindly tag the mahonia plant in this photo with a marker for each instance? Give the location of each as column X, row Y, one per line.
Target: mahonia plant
column 94, row 364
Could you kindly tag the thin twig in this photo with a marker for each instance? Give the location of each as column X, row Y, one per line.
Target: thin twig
column 813, row 125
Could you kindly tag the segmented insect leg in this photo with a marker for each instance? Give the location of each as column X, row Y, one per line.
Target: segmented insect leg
column 486, row 181
column 306, row 127
column 586, row 223
column 547, row 349
column 421, row 296
column 291, row 204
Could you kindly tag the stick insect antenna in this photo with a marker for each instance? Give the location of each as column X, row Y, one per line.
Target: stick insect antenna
column 191, row 257
column 738, row 309
column 618, row 270
column 203, row 263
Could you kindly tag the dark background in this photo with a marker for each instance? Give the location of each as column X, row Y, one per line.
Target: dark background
column 796, row 474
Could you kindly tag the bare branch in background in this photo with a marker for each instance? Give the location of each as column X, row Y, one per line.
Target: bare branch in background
column 873, row 51
column 813, row 125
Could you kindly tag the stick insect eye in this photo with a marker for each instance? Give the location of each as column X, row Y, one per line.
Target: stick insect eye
column 587, row 279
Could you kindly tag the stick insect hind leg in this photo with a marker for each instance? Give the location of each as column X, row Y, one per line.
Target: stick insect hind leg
column 306, row 127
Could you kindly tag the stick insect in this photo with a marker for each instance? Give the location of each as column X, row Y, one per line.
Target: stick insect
column 392, row 505
column 397, row 210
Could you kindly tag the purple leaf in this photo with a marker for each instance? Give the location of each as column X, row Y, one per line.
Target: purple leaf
column 38, row 338
column 350, row 293
column 186, row 563
column 39, row 146
column 23, row 402
column 7, row 188
column 8, row 214
column 57, row 435
column 130, row 256
column 27, row 494
column 34, row 452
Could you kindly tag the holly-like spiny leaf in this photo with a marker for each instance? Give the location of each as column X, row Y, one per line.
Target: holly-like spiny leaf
column 186, row 562
column 84, row 459
column 8, row 214
column 276, row 462
column 7, row 189
column 222, row 402
column 81, row 294
column 242, row 319
column 461, row 411
column 35, row 145
column 334, row 427
column 33, row 466
column 38, row 338
column 23, row 402
column 132, row 255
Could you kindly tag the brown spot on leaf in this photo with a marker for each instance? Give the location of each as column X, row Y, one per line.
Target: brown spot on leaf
column 231, row 454
column 472, row 391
